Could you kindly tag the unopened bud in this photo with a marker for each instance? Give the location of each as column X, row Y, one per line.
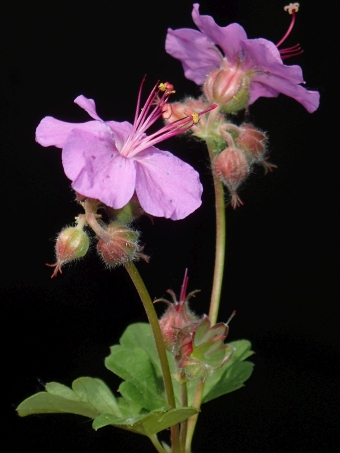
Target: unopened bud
column 123, row 246
column 229, row 88
column 252, row 142
column 72, row 243
column 178, row 316
column 232, row 167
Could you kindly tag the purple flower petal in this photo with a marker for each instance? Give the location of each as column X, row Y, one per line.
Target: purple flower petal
column 52, row 132
column 272, row 85
column 166, row 186
column 228, row 38
column 88, row 105
column 196, row 52
column 96, row 168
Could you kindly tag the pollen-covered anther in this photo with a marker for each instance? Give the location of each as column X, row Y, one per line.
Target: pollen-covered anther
column 195, row 116
column 166, row 87
column 292, row 8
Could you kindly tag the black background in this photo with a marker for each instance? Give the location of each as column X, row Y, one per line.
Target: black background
column 282, row 257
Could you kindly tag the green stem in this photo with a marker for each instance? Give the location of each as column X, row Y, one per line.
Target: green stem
column 184, row 402
column 156, row 444
column 193, row 420
column 153, row 320
column 216, row 286
column 220, row 246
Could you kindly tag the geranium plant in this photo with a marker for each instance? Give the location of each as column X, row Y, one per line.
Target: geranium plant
column 170, row 366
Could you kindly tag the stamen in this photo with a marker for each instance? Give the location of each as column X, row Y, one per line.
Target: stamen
column 195, row 116
column 166, row 87
column 292, row 9
column 144, row 118
column 291, row 51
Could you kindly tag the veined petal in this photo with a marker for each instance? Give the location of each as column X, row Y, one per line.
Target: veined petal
column 165, row 185
column 264, row 55
column 272, row 83
column 120, row 132
column 228, row 38
column 53, row 132
column 96, row 168
column 198, row 55
column 88, row 105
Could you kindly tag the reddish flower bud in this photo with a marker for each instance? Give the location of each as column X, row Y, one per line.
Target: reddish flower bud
column 229, row 88
column 72, row 243
column 177, row 317
column 232, row 167
column 252, row 142
column 122, row 247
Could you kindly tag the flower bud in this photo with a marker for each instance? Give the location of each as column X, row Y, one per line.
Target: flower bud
column 178, row 316
column 252, row 142
column 232, row 167
column 122, row 247
column 72, row 243
column 229, row 88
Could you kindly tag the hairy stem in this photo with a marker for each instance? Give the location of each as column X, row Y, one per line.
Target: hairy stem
column 219, row 248
column 184, row 423
column 193, row 420
column 153, row 320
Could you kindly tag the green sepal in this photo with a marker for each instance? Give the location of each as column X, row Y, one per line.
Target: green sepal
column 232, row 375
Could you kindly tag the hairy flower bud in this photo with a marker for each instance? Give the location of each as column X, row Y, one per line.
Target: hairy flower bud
column 252, row 142
column 122, row 246
column 72, row 243
column 177, row 317
column 232, row 167
column 229, row 88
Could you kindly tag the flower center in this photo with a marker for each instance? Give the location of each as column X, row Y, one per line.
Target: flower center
column 153, row 109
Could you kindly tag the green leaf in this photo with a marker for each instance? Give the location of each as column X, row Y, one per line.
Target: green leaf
column 147, row 424
column 218, row 383
column 89, row 397
column 141, row 384
column 132, row 338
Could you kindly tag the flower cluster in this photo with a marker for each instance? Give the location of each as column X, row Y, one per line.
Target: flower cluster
column 246, row 70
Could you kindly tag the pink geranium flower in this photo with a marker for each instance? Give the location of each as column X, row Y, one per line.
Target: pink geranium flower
column 260, row 59
column 110, row 161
